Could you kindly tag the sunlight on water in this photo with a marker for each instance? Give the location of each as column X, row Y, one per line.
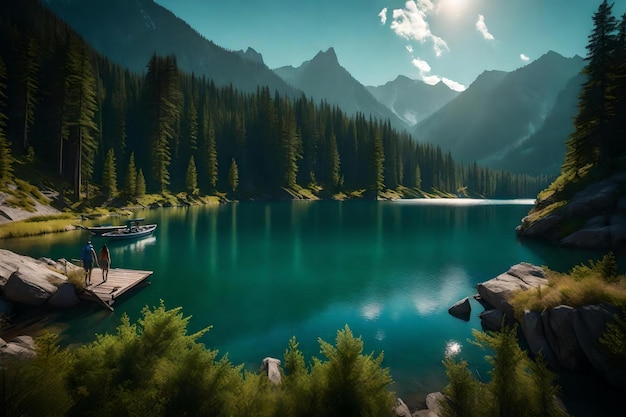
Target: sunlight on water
column 459, row 202
column 371, row 311
column 453, row 348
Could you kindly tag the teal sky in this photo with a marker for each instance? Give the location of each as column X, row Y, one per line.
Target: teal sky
column 377, row 40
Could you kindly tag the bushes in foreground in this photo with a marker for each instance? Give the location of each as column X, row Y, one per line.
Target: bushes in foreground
column 155, row 368
column 519, row 386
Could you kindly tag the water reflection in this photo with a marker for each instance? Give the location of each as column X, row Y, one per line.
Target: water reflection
column 263, row 272
column 371, row 311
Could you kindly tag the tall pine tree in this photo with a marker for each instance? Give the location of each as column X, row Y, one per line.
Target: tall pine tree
column 591, row 142
column 80, row 87
column 6, row 159
column 163, row 100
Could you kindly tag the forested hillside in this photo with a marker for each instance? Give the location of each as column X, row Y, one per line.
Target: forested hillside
column 106, row 129
column 595, row 159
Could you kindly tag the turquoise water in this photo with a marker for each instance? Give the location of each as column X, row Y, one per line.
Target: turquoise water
column 261, row 272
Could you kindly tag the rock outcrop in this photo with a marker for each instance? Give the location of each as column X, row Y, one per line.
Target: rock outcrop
column 567, row 337
column 33, row 282
column 498, row 290
column 594, row 218
column 21, row 347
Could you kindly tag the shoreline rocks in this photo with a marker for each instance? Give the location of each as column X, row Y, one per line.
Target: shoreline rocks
column 35, row 283
column 567, row 337
column 594, row 218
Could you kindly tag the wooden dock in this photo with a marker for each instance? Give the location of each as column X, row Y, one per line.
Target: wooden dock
column 118, row 282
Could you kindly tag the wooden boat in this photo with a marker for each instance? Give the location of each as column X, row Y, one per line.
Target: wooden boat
column 99, row 230
column 133, row 229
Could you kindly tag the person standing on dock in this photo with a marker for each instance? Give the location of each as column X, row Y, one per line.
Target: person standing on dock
column 88, row 258
column 104, row 259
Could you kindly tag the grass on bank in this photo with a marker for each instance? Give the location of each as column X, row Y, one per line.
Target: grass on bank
column 38, row 225
column 592, row 283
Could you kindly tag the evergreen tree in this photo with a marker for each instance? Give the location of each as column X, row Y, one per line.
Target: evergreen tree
column 334, row 163
column 376, row 165
column 289, row 146
column 591, row 143
column 518, row 386
column 140, row 184
column 211, row 151
column 191, row 178
column 6, row 159
column 130, row 185
column 109, row 175
column 233, row 176
column 163, row 100
column 81, row 105
column 418, row 177
column 29, row 68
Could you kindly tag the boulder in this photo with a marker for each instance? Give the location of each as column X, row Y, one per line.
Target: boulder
column 26, row 280
column 461, row 309
column 271, row 367
column 33, row 290
column 22, row 347
column 498, row 290
column 11, row 262
column 562, row 338
column 64, row 297
column 434, row 401
column 533, row 329
column 491, row 319
column 401, row 409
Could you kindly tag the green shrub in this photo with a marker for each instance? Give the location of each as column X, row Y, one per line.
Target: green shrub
column 518, row 387
column 24, row 392
column 613, row 341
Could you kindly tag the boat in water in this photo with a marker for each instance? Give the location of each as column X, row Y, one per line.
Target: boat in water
column 100, row 230
column 133, row 229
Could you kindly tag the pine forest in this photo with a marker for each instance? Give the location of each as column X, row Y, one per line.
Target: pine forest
column 104, row 129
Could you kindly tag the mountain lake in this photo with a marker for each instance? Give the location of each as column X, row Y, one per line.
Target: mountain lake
column 262, row 272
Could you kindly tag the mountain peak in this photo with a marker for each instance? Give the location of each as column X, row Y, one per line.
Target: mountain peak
column 251, row 55
column 328, row 56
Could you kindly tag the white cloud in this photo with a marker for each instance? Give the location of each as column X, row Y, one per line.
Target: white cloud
column 421, row 65
column 482, row 28
column 411, row 24
column 524, row 58
column 432, row 79
column 453, row 85
column 383, row 16
column 409, row 48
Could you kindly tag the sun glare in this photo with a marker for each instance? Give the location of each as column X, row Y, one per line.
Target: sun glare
column 452, row 7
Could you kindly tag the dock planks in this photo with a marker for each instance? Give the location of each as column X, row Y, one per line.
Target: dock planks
column 118, row 282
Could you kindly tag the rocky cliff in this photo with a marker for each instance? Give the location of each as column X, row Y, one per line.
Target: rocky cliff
column 593, row 218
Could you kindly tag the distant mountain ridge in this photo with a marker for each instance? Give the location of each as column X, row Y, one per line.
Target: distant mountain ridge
column 129, row 31
column 412, row 100
column 500, row 111
column 323, row 78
